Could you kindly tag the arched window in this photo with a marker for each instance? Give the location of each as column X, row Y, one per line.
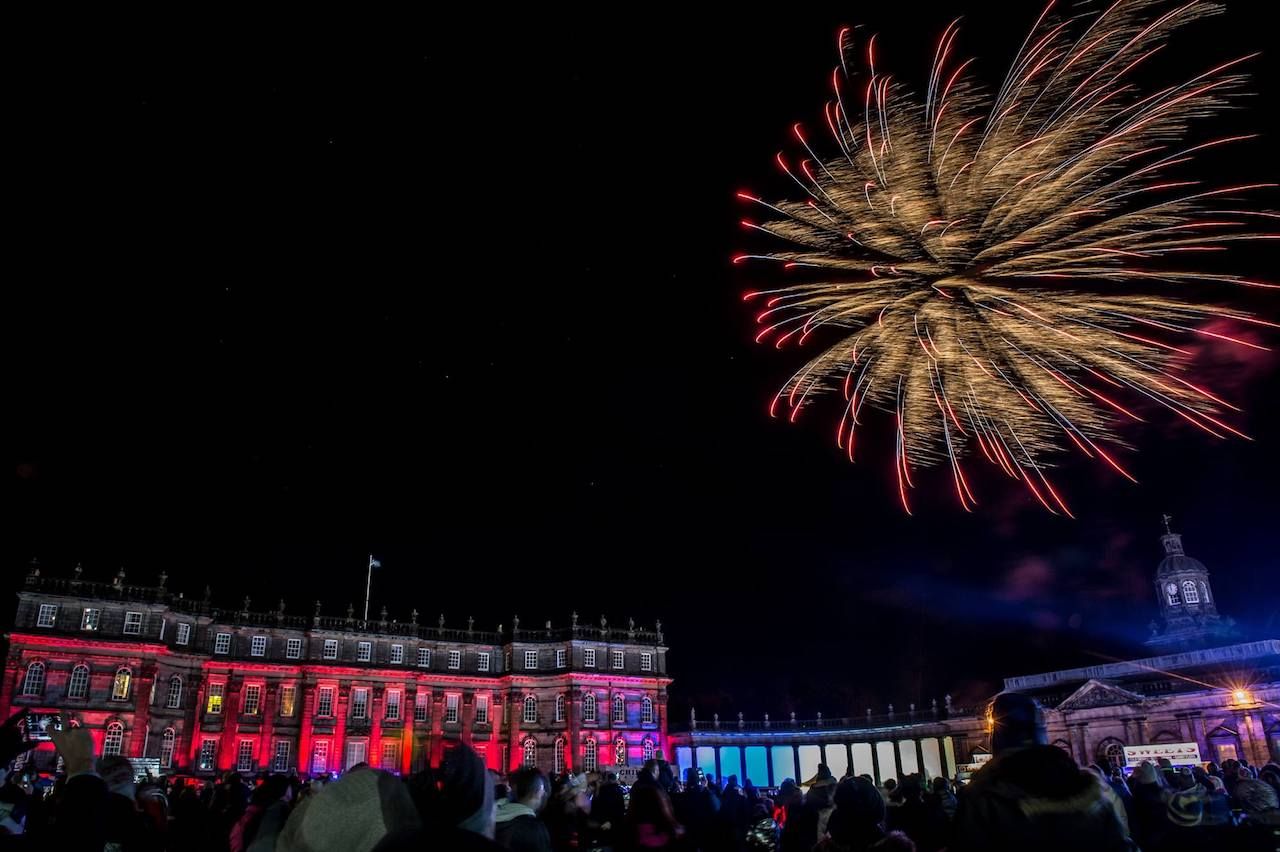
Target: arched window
column 589, row 707
column 646, row 710
column 174, row 698
column 619, row 710
column 559, row 709
column 620, row 751
column 1204, row 592
column 589, row 755
column 78, row 683
column 1114, row 754
column 530, row 708
column 529, row 749
column 1189, row 592
column 646, row 749
column 558, row 764
column 166, row 748
column 33, row 683
column 113, row 742
column 120, row 686
column 1171, row 594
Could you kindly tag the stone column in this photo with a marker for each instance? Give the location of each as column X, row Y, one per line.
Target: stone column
column 660, row 706
column 266, row 751
column 515, row 714
column 338, row 753
column 230, row 718
column 573, row 721
column 468, row 715
column 376, row 693
column 194, row 713
column 307, row 728
column 409, row 704
column 875, row 763
column 141, row 710
column 13, row 673
column 920, row 760
column 437, row 726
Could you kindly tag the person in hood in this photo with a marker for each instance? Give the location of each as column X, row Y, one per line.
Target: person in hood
column 1033, row 796
column 519, row 828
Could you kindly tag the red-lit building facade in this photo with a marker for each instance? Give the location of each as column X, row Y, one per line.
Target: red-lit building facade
column 152, row 674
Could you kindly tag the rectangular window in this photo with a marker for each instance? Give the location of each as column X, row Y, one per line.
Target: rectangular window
column 482, row 661
column 331, row 649
column 222, row 643
column 397, row 655
column 280, row 760
column 324, row 701
column 252, row 699
column 208, row 753
column 359, row 703
column 561, row 658
column 214, row 703
column 293, row 649
column 320, row 757
column 451, row 701
column 393, row 705
column 424, row 658
column 356, row 751
column 391, row 755
column 132, row 623
column 288, row 700
column 420, row 706
column 184, row 634
column 48, row 615
column 244, row 756
column 258, row 646
column 91, row 619
column 589, row 657
column 364, row 652
column 455, row 659
column 646, row 661
column 617, row 659
column 482, row 709
column 530, row 659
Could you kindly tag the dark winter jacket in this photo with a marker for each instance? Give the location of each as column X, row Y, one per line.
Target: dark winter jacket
column 519, row 829
column 1037, row 798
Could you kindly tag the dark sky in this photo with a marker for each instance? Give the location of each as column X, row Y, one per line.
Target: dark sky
column 289, row 295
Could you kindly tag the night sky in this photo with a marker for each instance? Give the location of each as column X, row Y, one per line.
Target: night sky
column 465, row 302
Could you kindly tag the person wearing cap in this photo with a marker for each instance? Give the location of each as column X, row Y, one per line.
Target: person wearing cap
column 1032, row 795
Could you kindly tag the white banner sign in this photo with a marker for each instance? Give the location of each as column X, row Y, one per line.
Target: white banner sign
column 1179, row 754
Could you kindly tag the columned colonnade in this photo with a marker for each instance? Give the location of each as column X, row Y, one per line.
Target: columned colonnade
column 768, row 759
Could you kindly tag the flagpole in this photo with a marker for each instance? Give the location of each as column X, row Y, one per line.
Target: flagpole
column 368, row 584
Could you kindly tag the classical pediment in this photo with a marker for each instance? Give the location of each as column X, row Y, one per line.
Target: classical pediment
column 1095, row 693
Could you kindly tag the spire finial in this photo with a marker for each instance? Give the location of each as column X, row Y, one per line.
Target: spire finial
column 1167, row 518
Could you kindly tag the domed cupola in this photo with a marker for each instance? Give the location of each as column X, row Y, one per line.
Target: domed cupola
column 1187, row 603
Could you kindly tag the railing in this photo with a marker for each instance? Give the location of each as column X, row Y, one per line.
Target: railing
column 245, row 617
column 632, row 635
column 830, row 723
column 93, row 589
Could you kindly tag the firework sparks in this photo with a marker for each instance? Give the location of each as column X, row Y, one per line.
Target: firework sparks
column 1004, row 267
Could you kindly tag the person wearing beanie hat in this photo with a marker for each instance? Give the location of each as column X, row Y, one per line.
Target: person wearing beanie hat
column 858, row 821
column 1197, row 819
column 1034, row 796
